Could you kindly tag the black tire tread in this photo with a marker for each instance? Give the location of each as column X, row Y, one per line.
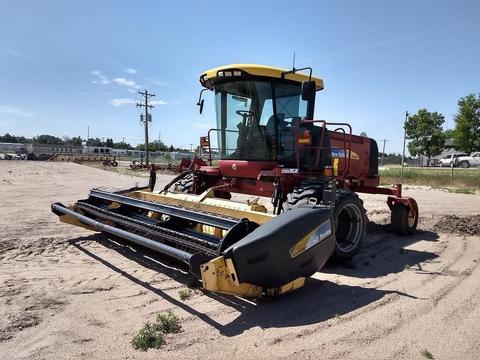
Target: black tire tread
column 184, row 185
column 399, row 219
column 308, row 189
column 342, row 197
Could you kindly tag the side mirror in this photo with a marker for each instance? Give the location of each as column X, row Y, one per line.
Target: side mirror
column 200, row 101
column 308, row 90
column 200, row 104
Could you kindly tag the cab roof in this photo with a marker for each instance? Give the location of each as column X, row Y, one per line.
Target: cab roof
column 210, row 76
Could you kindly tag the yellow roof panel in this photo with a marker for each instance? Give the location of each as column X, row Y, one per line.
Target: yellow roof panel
column 262, row 70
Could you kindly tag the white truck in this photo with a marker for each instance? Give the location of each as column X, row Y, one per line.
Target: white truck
column 468, row 161
column 447, row 160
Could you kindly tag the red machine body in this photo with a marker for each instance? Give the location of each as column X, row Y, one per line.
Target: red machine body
column 354, row 158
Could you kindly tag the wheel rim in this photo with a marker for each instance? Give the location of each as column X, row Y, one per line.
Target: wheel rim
column 411, row 218
column 348, row 227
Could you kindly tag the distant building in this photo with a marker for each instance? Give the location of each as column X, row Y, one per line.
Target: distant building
column 13, row 148
column 49, row 149
column 89, row 149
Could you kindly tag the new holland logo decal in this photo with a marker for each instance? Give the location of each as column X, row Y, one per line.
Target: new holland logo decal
column 340, row 154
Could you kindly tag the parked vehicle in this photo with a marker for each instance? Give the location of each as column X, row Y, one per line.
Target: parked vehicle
column 466, row 161
column 447, row 160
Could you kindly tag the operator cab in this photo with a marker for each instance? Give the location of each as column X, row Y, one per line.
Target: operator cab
column 258, row 108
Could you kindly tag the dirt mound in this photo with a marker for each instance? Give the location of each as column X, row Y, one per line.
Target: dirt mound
column 463, row 225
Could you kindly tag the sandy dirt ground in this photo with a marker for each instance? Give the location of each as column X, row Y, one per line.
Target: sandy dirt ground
column 67, row 293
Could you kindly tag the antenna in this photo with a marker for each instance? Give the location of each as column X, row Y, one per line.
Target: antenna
column 293, row 67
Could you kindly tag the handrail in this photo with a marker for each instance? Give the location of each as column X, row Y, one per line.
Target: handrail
column 319, row 148
column 348, row 157
column 209, row 142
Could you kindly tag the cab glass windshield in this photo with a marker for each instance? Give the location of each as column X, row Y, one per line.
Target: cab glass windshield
column 255, row 118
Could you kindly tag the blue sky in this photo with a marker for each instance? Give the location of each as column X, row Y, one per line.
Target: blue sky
column 67, row 65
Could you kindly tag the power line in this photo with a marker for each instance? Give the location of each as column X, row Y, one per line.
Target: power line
column 146, row 119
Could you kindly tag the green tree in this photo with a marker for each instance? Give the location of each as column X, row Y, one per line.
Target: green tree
column 7, row 138
column 48, row 139
column 424, row 130
column 76, row 140
column 109, row 143
column 160, row 146
column 95, row 142
column 466, row 135
column 151, row 147
column 171, row 148
column 122, row 145
column 23, row 140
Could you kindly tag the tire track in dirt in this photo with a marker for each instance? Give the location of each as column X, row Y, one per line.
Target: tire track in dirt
column 379, row 330
column 385, row 330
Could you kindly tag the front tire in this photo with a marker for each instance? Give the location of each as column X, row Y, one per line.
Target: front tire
column 349, row 218
column 465, row 164
column 350, row 225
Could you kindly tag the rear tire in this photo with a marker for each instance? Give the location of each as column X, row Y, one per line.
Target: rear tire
column 349, row 219
column 302, row 193
column 404, row 220
column 184, row 185
column 464, row 164
column 114, row 163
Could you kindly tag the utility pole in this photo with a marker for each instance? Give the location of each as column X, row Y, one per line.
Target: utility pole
column 383, row 151
column 404, row 140
column 146, row 119
column 191, row 147
column 88, row 139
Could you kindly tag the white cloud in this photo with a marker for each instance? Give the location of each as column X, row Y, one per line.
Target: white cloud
column 158, row 102
column 126, row 82
column 131, row 71
column 132, row 91
column 12, row 52
column 122, row 101
column 102, row 79
column 14, row 111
